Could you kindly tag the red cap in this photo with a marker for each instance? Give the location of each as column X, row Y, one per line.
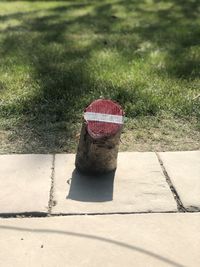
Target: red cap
column 104, row 118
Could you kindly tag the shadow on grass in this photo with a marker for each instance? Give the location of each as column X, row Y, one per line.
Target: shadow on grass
column 58, row 48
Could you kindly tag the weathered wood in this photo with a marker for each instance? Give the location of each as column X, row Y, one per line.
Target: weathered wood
column 100, row 135
column 97, row 156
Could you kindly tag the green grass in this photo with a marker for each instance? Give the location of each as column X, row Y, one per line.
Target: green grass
column 56, row 57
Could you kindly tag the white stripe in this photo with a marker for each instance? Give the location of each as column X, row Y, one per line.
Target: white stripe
column 93, row 116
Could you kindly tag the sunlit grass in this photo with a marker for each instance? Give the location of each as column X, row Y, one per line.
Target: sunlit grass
column 56, row 57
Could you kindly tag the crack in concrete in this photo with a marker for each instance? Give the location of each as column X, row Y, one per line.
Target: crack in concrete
column 48, row 215
column 51, row 201
column 179, row 203
column 23, row 215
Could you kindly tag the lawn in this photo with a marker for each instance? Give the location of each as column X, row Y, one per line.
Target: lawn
column 56, row 57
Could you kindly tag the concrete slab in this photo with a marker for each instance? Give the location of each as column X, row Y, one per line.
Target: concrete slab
column 184, row 171
column 137, row 186
column 25, row 182
column 153, row 240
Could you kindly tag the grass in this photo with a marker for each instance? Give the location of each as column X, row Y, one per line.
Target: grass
column 56, row 57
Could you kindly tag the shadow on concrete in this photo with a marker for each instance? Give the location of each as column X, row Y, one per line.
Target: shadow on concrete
column 91, row 188
column 98, row 238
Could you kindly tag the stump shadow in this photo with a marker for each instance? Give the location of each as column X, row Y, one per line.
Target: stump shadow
column 86, row 188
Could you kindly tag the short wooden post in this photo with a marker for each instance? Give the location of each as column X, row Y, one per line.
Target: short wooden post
column 100, row 135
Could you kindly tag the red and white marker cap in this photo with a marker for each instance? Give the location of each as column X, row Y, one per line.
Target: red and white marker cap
column 104, row 118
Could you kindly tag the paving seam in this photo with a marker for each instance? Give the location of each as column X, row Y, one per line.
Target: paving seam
column 46, row 215
column 113, row 213
column 51, row 201
column 179, row 203
column 23, row 215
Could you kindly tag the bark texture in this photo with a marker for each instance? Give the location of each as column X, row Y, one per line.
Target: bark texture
column 97, row 156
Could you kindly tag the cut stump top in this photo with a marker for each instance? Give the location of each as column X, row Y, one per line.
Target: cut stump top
column 103, row 118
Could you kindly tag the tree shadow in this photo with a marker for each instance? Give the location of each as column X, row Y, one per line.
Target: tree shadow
column 57, row 49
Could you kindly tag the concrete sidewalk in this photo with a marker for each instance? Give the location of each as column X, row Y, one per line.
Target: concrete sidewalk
column 143, row 182
column 146, row 214
column 140, row 240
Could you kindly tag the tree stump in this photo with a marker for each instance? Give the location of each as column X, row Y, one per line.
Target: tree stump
column 100, row 136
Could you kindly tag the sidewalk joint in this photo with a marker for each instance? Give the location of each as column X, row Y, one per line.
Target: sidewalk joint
column 179, row 203
column 51, row 201
column 33, row 214
column 46, row 215
column 113, row 213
